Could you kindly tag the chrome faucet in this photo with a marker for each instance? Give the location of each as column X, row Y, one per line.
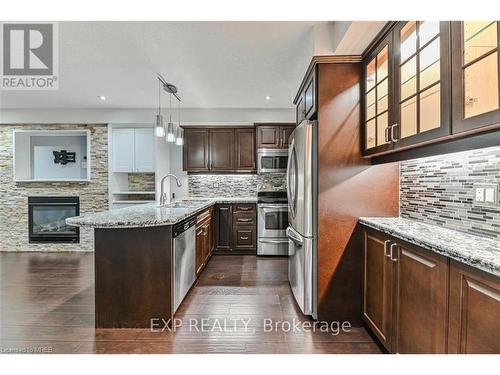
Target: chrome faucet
column 163, row 195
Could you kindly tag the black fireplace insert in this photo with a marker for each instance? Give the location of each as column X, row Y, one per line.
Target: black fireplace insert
column 47, row 219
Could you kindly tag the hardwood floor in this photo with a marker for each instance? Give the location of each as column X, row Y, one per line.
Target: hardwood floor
column 47, row 306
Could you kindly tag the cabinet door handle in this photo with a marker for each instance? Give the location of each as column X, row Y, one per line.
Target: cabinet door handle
column 387, row 135
column 392, row 251
column 243, row 220
column 386, row 242
column 393, row 137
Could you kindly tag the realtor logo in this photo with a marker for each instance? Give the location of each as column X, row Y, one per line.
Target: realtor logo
column 29, row 56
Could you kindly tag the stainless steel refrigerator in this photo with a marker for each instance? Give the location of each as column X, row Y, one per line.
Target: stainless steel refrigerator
column 302, row 216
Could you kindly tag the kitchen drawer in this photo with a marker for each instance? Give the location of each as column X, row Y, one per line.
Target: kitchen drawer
column 203, row 216
column 243, row 207
column 244, row 236
column 244, row 218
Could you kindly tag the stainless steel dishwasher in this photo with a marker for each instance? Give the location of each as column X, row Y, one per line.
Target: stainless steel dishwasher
column 184, row 259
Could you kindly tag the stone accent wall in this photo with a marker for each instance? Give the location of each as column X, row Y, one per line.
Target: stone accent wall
column 14, row 196
column 141, row 181
column 439, row 190
column 230, row 185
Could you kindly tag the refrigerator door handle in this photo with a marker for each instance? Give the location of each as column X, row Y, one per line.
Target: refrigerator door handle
column 294, row 236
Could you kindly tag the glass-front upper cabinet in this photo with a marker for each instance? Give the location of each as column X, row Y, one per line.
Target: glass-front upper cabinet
column 422, row 82
column 475, row 75
column 377, row 96
column 407, row 87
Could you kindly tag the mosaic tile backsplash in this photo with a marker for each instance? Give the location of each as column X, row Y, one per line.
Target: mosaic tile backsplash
column 439, row 190
column 230, row 185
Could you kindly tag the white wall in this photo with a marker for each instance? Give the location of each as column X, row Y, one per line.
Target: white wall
column 144, row 115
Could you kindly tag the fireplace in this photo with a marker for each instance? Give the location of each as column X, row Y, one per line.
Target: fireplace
column 47, row 219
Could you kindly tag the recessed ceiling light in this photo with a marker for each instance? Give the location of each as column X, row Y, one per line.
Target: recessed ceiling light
column 268, row 97
column 102, row 97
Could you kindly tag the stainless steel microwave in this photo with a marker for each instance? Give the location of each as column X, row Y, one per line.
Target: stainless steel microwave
column 270, row 160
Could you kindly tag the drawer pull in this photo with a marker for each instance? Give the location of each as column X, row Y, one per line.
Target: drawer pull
column 244, row 220
column 386, row 253
column 244, row 238
column 392, row 251
column 243, row 208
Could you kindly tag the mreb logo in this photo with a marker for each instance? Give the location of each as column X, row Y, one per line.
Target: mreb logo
column 29, row 59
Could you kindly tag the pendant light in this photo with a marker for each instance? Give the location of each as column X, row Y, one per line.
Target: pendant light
column 180, row 132
column 159, row 123
column 170, row 126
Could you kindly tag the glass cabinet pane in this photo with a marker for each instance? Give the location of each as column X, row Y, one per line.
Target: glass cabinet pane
column 370, row 105
column 409, row 117
column 430, row 108
column 481, row 86
column 426, row 31
column 370, row 75
column 409, row 78
column 382, row 96
column 382, row 64
column 429, row 64
column 370, row 134
column 408, row 36
column 382, row 124
column 478, row 38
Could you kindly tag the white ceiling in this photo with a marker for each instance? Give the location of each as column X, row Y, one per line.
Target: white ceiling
column 214, row 64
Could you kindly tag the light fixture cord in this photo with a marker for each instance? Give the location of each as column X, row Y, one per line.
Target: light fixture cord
column 170, row 114
column 159, row 98
column 179, row 110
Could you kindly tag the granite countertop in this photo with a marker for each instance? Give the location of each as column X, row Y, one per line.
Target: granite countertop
column 478, row 252
column 150, row 215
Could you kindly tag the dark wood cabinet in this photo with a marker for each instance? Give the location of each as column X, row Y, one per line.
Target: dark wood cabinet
column 273, row 135
column 268, row 136
column 430, row 88
column 204, row 239
column 417, row 301
column 377, row 286
column 244, row 227
column 221, row 150
column 475, row 65
column 420, row 300
column 236, row 228
column 474, row 311
column 306, row 100
column 405, row 294
column 407, row 87
column 244, row 237
column 300, row 110
column 286, row 131
column 223, row 225
column 244, row 149
column 196, row 150
column 200, row 243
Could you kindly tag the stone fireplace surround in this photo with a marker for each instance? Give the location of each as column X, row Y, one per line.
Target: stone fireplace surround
column 14, row 196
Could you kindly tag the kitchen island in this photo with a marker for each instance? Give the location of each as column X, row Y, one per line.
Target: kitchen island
column 134, row 260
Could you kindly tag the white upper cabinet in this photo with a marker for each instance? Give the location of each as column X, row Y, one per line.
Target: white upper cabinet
column 144, row 150
column 133, row 150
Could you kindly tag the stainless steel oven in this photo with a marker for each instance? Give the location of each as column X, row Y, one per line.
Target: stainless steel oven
column 272, row 221
column 271, row 160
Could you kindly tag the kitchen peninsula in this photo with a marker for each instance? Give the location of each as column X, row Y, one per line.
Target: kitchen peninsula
column 135, row 260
